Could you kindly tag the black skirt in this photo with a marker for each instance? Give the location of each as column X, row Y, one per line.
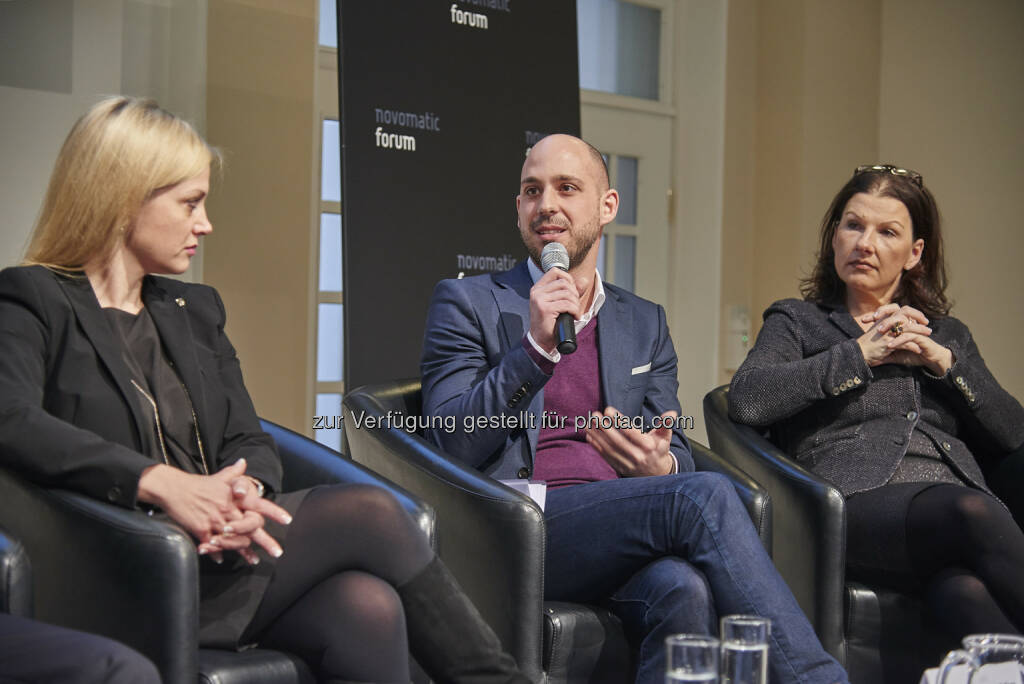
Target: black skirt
column 230, row 593
column 876, row 533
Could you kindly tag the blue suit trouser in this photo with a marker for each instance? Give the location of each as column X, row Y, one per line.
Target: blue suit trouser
column 668, row 555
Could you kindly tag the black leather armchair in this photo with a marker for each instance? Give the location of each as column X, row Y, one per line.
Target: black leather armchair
column 493, row 538
column 119, row 573
column 880, row 634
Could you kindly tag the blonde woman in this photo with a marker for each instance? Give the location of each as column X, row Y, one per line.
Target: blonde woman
column 122, row 385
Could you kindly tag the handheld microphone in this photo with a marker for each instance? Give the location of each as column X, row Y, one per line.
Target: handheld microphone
column 554, row 255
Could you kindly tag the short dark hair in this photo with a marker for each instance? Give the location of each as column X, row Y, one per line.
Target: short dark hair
column 922, row 287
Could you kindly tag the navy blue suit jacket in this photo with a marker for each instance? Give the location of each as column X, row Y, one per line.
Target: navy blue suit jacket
column 474, row 364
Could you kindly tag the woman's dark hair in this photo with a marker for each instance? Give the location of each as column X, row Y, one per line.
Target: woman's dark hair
column 922, row 287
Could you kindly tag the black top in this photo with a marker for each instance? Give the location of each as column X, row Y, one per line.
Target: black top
column 170, row 436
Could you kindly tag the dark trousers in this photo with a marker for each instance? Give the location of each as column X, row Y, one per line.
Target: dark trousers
column 32, row 651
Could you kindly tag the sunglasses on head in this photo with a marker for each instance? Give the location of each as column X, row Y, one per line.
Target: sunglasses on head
column 889, row 168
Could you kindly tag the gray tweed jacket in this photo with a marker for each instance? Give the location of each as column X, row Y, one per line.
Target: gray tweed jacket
column 807, row 379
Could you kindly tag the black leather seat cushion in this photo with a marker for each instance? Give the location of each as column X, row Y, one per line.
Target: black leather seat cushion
column 256, row 666
column 584, row 643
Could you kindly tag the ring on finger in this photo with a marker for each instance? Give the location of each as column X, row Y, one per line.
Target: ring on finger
column 897, row 329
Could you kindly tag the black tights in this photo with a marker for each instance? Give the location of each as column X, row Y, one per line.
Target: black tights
column 332, row 598
column 970, row 552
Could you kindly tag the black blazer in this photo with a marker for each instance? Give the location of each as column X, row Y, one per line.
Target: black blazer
column 807, row 378
column 68, row 416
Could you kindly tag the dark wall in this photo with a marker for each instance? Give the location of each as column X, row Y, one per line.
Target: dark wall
column 439, row 103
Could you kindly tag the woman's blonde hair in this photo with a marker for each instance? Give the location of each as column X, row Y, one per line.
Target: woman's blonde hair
column 114, row 158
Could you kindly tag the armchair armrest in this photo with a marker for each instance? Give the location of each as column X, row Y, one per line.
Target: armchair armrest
column 809, row 519
column 752, row 494
column 308, row 463
column 493, row 538
column 15, row 577
column 108, row 570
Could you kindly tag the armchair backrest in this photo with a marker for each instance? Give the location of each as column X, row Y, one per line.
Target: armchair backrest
column 109, row 570
column 120, row 573
column 809, row 519
column 307, row 463
column 490, row 536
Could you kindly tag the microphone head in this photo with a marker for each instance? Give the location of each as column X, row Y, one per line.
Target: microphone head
column 554, row 255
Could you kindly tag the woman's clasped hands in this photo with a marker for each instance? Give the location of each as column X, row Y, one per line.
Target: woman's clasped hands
column 900, row 334
column 223, row 511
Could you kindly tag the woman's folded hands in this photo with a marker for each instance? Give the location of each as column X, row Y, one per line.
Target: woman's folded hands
column 223, row 511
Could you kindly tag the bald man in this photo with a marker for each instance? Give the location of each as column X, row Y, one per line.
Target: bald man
column 629, row 524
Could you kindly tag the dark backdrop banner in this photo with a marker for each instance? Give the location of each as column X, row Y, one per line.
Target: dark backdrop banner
column 440, row 101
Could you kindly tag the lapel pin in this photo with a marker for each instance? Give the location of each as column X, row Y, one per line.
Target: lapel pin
column 180, row 301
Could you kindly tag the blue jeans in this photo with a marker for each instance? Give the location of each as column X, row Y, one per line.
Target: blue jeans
column 669, row 554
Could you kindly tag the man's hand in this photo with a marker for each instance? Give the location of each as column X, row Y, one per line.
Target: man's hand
column 630, row 451
column 553, row 294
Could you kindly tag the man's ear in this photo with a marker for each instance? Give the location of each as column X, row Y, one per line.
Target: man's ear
column 609, row 206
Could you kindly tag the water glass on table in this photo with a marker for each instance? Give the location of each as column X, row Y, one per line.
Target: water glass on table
column 691, row 658
column 985, row 659
column 745, row 649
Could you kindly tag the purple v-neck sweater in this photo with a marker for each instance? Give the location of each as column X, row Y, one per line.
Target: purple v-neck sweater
column 563, row 455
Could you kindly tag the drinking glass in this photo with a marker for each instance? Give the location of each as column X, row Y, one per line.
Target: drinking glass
column 745, row 649
column 990, row 659
column 691, row 658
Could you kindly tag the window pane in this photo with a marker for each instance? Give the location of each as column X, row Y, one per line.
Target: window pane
column 328, row 23
column 329, row 342
column 619, row 45
column 328, row 416
column 625, row 183
column 625, row 261
column 330, row 253
column 602, row 255
column 330, row 164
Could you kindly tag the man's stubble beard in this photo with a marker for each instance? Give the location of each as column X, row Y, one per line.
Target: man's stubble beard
column 579, row 244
